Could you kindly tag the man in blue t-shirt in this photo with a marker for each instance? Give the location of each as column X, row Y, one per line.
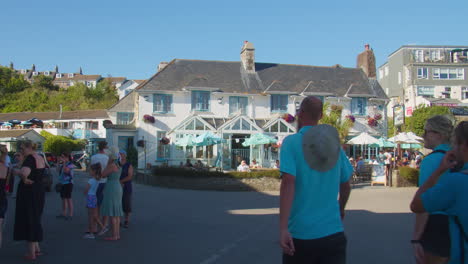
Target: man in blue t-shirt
column 314, row 171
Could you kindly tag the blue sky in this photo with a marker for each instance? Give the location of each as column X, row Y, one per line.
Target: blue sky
column 130, row 38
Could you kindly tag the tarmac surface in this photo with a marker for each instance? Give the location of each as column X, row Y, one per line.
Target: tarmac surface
column 205, row 227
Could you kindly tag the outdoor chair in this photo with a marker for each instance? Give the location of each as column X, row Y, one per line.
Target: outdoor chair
column 364, row 174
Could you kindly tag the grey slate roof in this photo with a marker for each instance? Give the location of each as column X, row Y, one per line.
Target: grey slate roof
column 82, row 114
column 269, row 78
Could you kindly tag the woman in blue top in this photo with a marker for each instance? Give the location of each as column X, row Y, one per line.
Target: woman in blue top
column 66, row 179
column 431, row 240
column 448, row 194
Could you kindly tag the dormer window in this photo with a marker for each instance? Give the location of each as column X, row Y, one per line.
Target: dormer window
column 58, row 75
column 46, row 73
column 70, row 75
column 35, row 73
column 435, row 55
column 24, row 71
column 419, row 56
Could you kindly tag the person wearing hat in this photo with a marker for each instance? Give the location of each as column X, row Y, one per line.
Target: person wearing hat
column 314, row 171
column 126, row 180
column 431, row 238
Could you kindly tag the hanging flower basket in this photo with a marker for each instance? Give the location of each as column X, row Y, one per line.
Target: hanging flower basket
column 377, row 117
column 371, row 121
column 289, row 118
column 149, row 119
column 351, row 118
column 164, row 140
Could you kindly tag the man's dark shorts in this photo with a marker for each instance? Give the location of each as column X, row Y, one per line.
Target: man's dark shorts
column 66, row 191
column 436, row 236
column 330, row 249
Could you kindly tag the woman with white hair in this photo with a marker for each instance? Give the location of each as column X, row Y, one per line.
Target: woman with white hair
column 431, row 239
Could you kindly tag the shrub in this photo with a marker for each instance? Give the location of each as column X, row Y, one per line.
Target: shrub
column 409, row 174
column 192, row 173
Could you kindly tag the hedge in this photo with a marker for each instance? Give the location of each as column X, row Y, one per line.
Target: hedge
column 192, row 173
column 409, row 174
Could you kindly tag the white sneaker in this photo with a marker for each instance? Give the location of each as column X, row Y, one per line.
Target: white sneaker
column 103, row 231
column 89, row 236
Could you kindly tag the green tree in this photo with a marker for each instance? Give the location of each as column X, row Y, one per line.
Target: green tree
column 11, row 82
column 416, row 122
column 332, row 115
column 46, row 82
column 60, row 144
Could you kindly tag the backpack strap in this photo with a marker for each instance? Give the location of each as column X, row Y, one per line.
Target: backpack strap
column 463, row 239
column 438, row 151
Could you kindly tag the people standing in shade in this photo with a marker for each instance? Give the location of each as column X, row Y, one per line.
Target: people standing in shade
column 112, row 202
column 3, row 181
column 91, row 201
column 447, row 193
column 255, row 165
column 314, row 171
column 102, row 158
column 66, row 179
column 277, row 165
column 30, row 200
column 126, row 181
column 431, row 231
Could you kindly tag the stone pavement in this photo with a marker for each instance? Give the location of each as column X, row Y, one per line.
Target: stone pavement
column 183, row 226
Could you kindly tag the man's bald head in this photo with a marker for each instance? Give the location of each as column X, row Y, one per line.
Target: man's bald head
column 310, row 111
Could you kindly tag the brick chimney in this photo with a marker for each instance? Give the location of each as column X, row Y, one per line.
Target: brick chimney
column 248, row 57
column 162, row 65
column 366, row 61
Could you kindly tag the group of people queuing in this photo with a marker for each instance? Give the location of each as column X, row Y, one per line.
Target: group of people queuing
column 108, row 193
column 315, row 171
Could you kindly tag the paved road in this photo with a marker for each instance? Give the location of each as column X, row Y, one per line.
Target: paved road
column 182, row 226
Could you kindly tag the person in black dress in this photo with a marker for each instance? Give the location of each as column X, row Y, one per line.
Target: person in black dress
column 30, row 200
column 3, row 180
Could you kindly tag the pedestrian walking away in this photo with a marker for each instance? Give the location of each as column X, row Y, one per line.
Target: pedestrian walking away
column 315, row 171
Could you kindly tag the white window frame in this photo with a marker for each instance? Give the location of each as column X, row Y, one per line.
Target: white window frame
column 419, row 55
column 457, row 73
column 70, row 75
column 435, row 55
column 35, row 73
column 386, row 70
column 58, row 75
column 464, row 93
column 422, row 73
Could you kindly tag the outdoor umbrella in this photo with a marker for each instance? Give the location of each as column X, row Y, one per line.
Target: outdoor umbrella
column 207, row 139
column 187, row 140
column 15, row 121
column 411, row 146
column 383, row 143
column 7, row 124
column 26, row 123
column 259, row 139
column 404, row 137
column 363, row 139
column 36, row 121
